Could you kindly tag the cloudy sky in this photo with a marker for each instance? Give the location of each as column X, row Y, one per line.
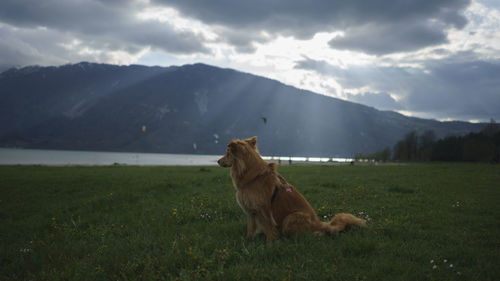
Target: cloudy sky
column 434, row 59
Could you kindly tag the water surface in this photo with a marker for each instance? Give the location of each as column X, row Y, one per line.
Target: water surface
column 10, row 156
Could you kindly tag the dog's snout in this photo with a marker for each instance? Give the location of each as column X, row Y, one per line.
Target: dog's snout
column 223, row 162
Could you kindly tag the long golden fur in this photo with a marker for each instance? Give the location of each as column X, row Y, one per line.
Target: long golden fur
column 273, row 206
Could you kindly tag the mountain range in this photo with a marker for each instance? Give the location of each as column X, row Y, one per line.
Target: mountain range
column 193, row 109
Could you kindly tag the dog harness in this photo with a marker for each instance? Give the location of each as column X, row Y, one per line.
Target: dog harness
column 274, row 194
column 276, row 188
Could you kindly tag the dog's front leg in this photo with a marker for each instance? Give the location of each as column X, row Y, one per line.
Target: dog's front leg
column 269, row 225
column 251, row 225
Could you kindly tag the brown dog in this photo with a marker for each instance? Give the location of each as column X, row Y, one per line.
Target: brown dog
column 272, row 205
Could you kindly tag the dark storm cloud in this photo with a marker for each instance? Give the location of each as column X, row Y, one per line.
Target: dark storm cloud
column 446, row 88
column 106, row 26
column 242, row 41
column 381, row 40
column 398, row 25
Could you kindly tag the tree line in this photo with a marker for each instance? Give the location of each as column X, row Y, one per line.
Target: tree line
column 483, row 146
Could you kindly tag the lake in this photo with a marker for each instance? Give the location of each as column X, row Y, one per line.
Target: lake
column 12, row 156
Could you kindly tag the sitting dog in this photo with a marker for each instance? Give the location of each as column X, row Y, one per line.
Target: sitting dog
column 272, row 205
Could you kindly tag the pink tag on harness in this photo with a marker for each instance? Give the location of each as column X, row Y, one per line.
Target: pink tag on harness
column 288, row 189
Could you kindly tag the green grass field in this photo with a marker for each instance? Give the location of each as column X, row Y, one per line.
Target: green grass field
column 426, row 222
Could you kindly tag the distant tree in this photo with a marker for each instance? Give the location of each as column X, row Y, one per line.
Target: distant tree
column 412, row 142
column 400, row 152
column 478, row 147
column 425, row 145
column 406, row 149
column 474, row 147
column 483, row 146
column 383, row 155
column 491, row 129
column 448, row 149
column 496, row 141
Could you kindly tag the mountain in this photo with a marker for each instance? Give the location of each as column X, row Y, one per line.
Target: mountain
column 189, row 109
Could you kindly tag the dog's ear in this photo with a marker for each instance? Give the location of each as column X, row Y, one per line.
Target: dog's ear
column 252, row 141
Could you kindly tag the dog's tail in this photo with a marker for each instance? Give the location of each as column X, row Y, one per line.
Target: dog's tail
column 340, row 222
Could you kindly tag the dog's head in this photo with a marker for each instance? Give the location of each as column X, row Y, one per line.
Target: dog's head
column 238, row 150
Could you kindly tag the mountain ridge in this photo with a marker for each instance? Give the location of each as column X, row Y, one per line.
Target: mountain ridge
column 194, row 108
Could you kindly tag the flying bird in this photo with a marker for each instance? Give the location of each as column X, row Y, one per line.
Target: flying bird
column 264, row 119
